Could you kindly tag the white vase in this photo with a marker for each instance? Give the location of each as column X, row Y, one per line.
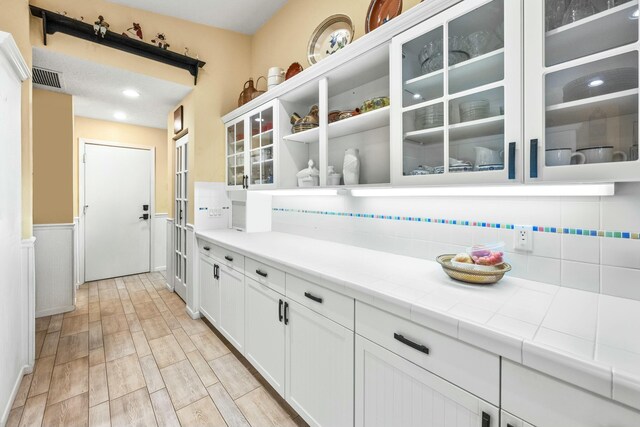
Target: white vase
column 351, row 166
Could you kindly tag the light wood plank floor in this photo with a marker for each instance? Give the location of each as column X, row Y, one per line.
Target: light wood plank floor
column 129, row 355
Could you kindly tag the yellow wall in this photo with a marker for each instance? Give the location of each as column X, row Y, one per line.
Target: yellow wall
column 284, row 38
column 125, row 134
column 15, row 20
column 52, row 158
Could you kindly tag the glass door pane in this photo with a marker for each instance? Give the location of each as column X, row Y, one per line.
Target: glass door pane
column 261, row 154
column 591, row 93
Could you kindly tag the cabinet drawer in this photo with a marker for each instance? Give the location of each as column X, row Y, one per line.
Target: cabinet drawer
column 206, row 248
column 224, row 256
column 267, row 275
column 333, row 305
column 472, row 369
column 545, row 401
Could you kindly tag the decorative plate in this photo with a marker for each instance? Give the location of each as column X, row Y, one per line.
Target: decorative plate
column 332, row 34
column 381, row 11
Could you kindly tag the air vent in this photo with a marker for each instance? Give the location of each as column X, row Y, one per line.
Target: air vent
column 49, row 78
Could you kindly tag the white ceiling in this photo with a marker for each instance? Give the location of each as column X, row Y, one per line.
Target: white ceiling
column 243, row 16
column 97, row 90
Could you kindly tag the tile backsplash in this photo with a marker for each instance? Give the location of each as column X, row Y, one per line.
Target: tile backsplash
column 590, row 243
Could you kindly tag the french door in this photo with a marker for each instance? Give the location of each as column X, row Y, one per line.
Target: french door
column 180, row 223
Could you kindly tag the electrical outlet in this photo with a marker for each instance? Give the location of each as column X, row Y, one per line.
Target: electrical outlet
column 523, row 238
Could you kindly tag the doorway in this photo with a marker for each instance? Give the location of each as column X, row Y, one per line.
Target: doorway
column 116, row 209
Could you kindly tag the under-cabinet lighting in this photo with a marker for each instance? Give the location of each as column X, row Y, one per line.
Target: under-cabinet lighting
column 131, row 93
column 416, row 96
column 596, row 83
column 507, row 190
column 303, row 192
column 119, row 115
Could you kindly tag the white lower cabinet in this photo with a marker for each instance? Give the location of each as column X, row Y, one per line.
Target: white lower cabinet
column 232, row 306
column 391, row 391
column 209, row 290
column 545, row 401
column 508, row 420
column 264, row 332
column 319, row 367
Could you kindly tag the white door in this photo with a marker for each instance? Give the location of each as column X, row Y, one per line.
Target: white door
column 117, row 190
column 264, row 340
column 319, row 370
column 209, row 290
column 180, row 210
column 391, row 391
column 232, row 306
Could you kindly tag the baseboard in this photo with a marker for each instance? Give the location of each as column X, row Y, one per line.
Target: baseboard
column 193, row 314
column 26, row 369
column 55, row 310
column 169, row 287
column 161, row 268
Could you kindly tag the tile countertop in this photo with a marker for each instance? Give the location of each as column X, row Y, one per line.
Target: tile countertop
column 587, row 339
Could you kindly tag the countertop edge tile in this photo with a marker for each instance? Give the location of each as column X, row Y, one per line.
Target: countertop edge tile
column 491, row 340
column 566, row 367
column 435, row 320
column 626, row 388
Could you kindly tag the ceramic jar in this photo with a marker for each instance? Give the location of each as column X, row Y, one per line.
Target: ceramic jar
column 275, row 77
column 351, row 166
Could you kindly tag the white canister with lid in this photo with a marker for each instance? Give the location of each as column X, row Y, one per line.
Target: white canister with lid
column 275, row 77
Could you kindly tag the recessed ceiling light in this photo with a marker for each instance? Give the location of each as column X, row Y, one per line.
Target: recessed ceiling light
column 119, row 115
column 130, row 93
column 596, row 83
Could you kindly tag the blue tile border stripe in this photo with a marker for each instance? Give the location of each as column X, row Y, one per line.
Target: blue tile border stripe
column 467, row 223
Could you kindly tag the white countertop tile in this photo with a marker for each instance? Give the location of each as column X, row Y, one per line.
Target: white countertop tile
column 578, row 336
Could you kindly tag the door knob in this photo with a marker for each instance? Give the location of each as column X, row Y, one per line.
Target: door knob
column 144, row 216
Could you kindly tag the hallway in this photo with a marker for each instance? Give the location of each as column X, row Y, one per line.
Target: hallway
column 129, row 355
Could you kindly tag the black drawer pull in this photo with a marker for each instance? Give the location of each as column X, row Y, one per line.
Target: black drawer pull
column 509, row 425
column 261, row 273
column 411, row 344
column 313, row 297
column 280, row 316
column 486, row 420
column 228, row 258
column 286, row 313
column 206, row 248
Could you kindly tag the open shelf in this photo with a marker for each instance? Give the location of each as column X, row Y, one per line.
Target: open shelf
column 477, row 71
column 426, row 136
column 612, row 104
column 477, row 128
column 613, row 27
column 307, row 136
column 360, row 123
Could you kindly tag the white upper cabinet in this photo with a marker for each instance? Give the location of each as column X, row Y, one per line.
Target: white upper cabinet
column 457, row 117
column 581, row 96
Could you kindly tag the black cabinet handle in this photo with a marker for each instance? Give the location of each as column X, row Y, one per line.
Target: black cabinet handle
column 243, row 181
column 286, row 313
column 486, row 420
column 261, row 273
column 228, row 258
column 313, row 297
column 247, row 178
column 206, row 248
column 412, row 344
column 280, row 311
column 533, row 153
column 216, row 269
column 509, row 425
column 512, row 160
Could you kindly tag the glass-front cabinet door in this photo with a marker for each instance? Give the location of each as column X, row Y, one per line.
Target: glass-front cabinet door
column 456, row 94
column 262, row 150
column 236, row 171
column 581, row 96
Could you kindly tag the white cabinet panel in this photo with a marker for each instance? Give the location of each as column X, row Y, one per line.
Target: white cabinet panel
column 391, row 391
column 264, row 339
column 209, row 290
column 319, row 368
column 545, row 401
column 232, row 306
column 508, row 420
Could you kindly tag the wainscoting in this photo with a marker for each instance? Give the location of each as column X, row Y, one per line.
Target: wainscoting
column 159, row 257
column 55, row 268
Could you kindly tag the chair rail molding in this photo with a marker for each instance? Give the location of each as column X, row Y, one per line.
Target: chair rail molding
column 10, row 51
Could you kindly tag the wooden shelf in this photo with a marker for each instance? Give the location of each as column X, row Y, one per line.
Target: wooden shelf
column 360, row 123
column 426, row 136
column 54, row 22
column 477, row 128
column 307, row 136
column 613, row 28
column 612, row 105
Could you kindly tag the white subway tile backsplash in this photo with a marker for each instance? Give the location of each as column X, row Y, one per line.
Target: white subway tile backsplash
column 581, row 214
column 621, row 282
column 580, row 275
column 621, row 252
column 546, row 245
column 581, row 248
column 546, row 270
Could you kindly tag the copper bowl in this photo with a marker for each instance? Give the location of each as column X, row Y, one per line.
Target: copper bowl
column 381, row 11
column 293, row 69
